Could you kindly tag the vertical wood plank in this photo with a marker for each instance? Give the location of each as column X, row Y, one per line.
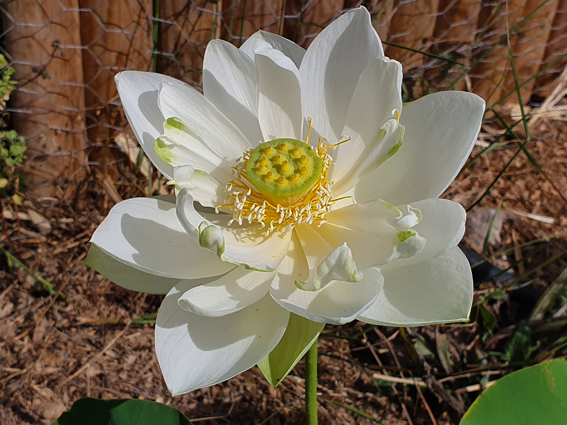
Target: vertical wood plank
column 412, row 25
column 529, row 47
column 555, row 53
column 187, row 28
column 242, row 18
column 116, row 36
column 453, row 37
column 49, row 99
column 381, row 12
column 307, row 19
column 488, row 77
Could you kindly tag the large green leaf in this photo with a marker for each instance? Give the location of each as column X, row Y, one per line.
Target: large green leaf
column 535, row 395
column 300, row 334
column 90, row 411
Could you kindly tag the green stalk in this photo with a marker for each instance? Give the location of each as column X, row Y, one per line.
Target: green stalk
column 311, row 384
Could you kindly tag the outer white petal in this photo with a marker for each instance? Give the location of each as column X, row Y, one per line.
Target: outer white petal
column 442, row 226
column 230, row 293
column 207, row 123
column 229, row 82
column 287, row 47
column 279, row 94
column 438, row 290
column 202, row 187
column 248, row 247
column 139, row 95
column 377, row 95
column 441, row 129
column 338, row 302
column 196, row 351
column 331, row 68
column 145, row 234
column 126, row 276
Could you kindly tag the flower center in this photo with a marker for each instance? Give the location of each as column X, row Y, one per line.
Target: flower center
column 283, row 170
column 280, row 184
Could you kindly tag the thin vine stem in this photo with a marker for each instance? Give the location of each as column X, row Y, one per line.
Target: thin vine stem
column 311, row 384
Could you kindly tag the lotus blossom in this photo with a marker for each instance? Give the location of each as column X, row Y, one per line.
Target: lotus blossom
column 303, row 186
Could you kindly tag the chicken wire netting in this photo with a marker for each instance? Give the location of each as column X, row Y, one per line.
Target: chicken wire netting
column 66, row 53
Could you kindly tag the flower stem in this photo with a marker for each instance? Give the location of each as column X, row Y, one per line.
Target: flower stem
column 311, row 384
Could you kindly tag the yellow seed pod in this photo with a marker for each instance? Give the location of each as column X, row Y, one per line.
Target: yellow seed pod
column 283, row 170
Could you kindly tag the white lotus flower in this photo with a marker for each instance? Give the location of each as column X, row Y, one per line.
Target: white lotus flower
column 326, row 195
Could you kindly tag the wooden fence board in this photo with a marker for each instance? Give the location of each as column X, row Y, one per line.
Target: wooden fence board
column 555, row 52
column 117, row 36
column 50, row 95
column 381, row 12
column 182, row 39
column 489, row 76
column 454, row 36
column 243, row 18
column 412, row 23
column 529, row 47
column 311, row 18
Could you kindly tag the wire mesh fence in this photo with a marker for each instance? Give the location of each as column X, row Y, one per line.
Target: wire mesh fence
column 66, row 53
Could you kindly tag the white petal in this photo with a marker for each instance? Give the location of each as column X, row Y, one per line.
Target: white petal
column 201, row 186
column 442, row 226
column 287, row 47
column 439, row 290
column 207, row 123
column 229, row 82
column 331, row 68
column 197, row 351
column 279, row 94
column 368, row 250
column 339, row 265
column 248, row 247
column 126, row 276
column 377, row 96
column 338, row 302
column 441, row 129
column 139, row 95
column 385, row 143
column 376, row 232
column 144, row 233
column 232, row 292
column 180, row 146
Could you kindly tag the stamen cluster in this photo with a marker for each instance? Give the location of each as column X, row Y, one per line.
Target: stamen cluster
column 247, row 203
